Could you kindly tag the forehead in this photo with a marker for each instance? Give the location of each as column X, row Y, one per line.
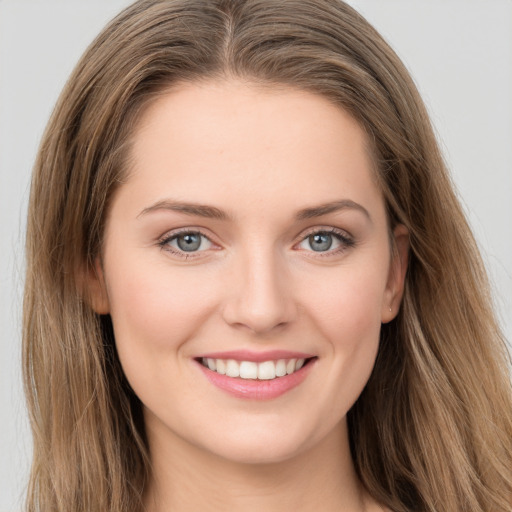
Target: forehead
column 209, row 111
column 217, row 140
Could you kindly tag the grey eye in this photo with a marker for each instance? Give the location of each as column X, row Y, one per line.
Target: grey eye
column 320, row 241
column 329, row 242
column 189, row 242
column 186, row 243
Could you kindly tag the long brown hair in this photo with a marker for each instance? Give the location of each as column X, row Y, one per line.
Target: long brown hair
column 433, row 428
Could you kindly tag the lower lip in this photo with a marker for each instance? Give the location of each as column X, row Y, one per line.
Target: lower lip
column 257, row 389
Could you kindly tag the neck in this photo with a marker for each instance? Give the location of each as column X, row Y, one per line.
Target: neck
column 186, row 477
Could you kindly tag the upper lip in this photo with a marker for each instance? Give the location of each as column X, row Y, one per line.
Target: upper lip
column 256, row 357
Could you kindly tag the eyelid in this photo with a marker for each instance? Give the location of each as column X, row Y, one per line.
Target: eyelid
column 325, row 229
column 346, row 240
column 163, row 242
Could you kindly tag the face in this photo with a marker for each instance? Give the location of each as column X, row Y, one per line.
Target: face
column 249, row 237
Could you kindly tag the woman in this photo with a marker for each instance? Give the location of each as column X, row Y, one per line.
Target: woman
column 250, row 284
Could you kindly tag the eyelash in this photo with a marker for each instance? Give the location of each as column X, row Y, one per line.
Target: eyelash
column 345, row 240
column 164, row 242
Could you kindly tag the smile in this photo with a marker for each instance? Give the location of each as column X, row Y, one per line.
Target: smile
column 265, row 370
column 256, row 376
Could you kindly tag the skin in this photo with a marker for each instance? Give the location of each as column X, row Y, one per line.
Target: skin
column 259, row 155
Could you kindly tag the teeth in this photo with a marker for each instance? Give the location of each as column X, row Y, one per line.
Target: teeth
column 281, row 368
column 232, row 368
column 248, row 370
column 266, row 370
column 221, row 366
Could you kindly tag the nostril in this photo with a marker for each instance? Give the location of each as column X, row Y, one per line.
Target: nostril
column 260, row 319
column 259, row 299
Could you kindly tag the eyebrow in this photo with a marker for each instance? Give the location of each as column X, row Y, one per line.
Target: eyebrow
column 211, row 212
column 334, row 206
column 198, row 210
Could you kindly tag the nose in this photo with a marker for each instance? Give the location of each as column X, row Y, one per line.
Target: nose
column 260, row 295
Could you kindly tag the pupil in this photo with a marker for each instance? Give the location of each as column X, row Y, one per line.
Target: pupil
column 320, row 241
column 189, row 242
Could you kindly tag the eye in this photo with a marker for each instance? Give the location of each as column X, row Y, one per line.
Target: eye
column 186, row 242
column 326, row 241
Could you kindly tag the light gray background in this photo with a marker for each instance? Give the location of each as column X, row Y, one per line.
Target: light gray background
column 459, row 52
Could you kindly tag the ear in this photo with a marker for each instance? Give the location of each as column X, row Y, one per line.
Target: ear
column 95, row 289
column 396, row 277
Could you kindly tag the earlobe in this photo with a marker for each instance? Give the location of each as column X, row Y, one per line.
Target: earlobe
column 95, row 289
column 397, row 272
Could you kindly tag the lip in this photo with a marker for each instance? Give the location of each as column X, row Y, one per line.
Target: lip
column 256, row 357
column 256, row 389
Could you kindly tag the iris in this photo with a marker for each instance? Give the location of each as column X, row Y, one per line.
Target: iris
column 320, row 241
column 189, row 241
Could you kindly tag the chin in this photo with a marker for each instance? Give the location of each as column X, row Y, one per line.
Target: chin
column 251, row 454
column 265, row 445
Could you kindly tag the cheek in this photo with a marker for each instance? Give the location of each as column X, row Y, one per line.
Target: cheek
column 156, row 308
column 346, row 312
column 347, row 307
